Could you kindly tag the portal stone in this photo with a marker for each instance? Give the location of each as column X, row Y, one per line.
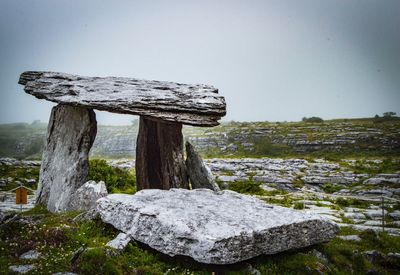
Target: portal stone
column 159, row 156
column 199, row 174
column 65, row 161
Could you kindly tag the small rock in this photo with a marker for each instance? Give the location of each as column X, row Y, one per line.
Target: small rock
column 228, row 178
column 319, row 255
column 22, row 269
column 373, row 223
column 268, row 188
column 85, row 197
column 354, row 238
column 120, row 242
column 394, row 255
column 77, row 254
column 373, row 256
column 88, row 215
column 30, row 255
column 251, row 270
column 395, row 215
column 375, row 213
column 3, row 182
column 30, row 181
column 354, row 215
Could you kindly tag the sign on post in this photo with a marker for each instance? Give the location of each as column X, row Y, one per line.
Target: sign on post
column 21, row 195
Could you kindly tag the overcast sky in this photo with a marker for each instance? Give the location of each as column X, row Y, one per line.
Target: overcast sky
column 272, row 60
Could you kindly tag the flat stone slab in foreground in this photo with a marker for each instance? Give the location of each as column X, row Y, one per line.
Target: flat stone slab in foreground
column 212, row 227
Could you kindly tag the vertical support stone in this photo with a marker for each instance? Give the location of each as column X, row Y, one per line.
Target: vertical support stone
column 65, row 161
column 159, row 156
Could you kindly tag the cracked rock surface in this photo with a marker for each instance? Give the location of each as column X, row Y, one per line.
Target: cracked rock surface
column 212, row 227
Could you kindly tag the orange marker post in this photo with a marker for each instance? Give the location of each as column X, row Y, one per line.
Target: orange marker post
column 21, row 195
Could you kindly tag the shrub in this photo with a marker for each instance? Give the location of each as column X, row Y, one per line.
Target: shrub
column 116, row 180
column 298, row 183
column 331, row 188
column 342, row 202
column 247, row 187
column 96, row 261
column 298, row 205
column 313, row 119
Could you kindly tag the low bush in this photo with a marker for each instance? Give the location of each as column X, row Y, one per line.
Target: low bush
column 247, row 187
column 298, row 205
column 343, row 202
column 312, row 119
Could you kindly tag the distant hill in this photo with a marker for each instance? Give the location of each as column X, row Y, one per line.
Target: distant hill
column 340, row 138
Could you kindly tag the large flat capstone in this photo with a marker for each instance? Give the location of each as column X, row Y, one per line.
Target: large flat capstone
column 198, row 104
column 212, row 227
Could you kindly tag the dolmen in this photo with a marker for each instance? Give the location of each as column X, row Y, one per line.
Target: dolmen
column 163, row 108
column 211, row 227
column 205, row 223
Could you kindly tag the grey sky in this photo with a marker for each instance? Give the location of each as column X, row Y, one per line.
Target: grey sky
column 272, row 60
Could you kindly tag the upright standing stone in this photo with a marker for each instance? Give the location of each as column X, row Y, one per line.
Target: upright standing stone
column 159, row 156
column 199, row 174
column 65, row 162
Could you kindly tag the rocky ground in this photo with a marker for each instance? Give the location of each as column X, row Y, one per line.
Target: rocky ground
column 348, row 192
column 335, row 139
column 331, row 189
column 346, row 170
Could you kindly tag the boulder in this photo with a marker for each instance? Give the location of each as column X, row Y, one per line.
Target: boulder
column 85, row 197
column 199, row 174
column 212, row 227
column 65, row 161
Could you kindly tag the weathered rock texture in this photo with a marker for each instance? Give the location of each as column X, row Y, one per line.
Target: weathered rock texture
column 212, row 227
column 70, row 135
column 199, row 174
column 189, row 104
column 159, row 156
column 85, row 197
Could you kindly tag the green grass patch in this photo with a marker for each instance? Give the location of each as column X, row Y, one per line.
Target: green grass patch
column 18, row 174
column 57, row 237
column 247, row 187
column 298, row 205
column 116, row 180
column 347, row 202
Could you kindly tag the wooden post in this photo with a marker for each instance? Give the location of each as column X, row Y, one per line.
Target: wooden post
column 159, row 156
